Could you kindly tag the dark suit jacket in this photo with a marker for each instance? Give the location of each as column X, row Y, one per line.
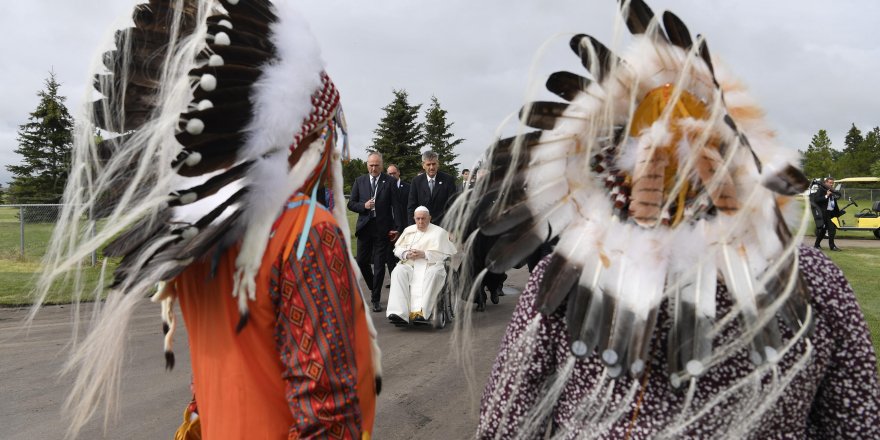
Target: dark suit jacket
column 387, row 204
column 820, row 206
column 403, row 198
column 419, row 195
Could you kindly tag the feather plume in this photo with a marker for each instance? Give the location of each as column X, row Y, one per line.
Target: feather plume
column 213, row 114
column 651, row 150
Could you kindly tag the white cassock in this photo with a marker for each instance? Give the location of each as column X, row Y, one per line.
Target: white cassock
column 416, row 283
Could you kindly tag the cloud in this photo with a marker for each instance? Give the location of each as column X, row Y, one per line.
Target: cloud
column 810, row 63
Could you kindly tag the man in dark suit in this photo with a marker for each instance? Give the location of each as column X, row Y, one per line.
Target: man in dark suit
column 402, row 197
column 433, row 190
column 374, row 198
column 824, row 204
column 465, row 180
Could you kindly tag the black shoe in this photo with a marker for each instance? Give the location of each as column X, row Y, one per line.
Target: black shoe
column 481, row 307
column 817, row 246
column 397, row 320
column 495, row 295
column 377, row 307
column 836, row 249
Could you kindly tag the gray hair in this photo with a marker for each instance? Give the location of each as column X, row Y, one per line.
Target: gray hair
column 430, row 155
column 376, row 153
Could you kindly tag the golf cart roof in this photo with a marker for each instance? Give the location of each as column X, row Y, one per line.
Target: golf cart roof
column 859, row 179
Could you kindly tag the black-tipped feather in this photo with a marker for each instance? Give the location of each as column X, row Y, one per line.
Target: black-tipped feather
column 604, row 59
column 200, row 245
column 169, row 360
column 789, row 181
column 135, row 236
column 254, row 25
column 638, row 16
column 237, row 55
column 622, row 328
column 640, row 344
column 515, row 215
column 239, row 36
column 216, row 183
column 227, row 118
column 567, row 85
column 513, row 248
column 229, row 76
column 554, row 289
column 678, row 33
column 209, row 163
column 542, row 114
column 243, row 318
column 258, row 9
column 600, row 318
column 707, row 58
column 580, row 300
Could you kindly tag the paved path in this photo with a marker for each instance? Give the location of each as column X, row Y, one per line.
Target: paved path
column 845, row 243
column 424, row 393
column 424, row 389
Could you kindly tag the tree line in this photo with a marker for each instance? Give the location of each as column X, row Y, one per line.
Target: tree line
column 400, row 137
column 860, row 156
column 45, row 141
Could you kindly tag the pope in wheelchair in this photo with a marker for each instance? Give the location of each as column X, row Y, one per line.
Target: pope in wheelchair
column 416, row 281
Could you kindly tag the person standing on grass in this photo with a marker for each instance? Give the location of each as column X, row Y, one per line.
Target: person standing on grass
column 825, row 209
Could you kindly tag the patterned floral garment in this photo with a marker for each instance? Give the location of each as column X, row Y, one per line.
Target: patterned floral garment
column 836, row 396
column 314, row 334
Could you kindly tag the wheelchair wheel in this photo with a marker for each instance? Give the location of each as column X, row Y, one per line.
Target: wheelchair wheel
column 440, row 317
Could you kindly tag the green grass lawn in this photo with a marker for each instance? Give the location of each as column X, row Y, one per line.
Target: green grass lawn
column 36, row 237
column 861, row 266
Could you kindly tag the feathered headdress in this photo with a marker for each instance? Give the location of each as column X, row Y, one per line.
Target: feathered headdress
column 659, row 178
column 212, row 114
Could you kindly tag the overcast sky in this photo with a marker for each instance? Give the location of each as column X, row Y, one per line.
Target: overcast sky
column 811, row 64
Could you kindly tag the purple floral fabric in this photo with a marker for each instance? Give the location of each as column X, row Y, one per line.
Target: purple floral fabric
column 835, row 396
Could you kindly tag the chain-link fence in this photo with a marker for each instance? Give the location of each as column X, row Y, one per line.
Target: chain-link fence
column 861, row 194
column 25, row 230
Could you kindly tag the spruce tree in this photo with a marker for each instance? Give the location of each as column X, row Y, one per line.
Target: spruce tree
column 857, row 156
column 818, row 159
column 439, row 138
column 44, row 143
column 399, row 137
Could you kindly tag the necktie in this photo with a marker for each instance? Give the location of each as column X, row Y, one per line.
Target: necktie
column 373, row 195
column 431, row 186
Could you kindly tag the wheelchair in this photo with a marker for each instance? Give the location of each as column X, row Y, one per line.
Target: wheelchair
column 444, row 307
